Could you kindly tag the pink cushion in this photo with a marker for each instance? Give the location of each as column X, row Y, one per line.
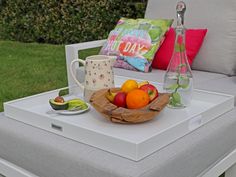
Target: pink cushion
column 194, row 39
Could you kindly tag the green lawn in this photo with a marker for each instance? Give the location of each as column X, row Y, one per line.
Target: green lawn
column 31, row 68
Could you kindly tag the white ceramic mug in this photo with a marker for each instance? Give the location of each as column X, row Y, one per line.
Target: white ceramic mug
column 98, row 73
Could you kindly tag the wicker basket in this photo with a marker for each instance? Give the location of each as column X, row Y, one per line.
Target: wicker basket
column 123, row 115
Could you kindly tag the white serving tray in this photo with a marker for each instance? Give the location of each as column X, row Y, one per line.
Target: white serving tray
column 131, row 141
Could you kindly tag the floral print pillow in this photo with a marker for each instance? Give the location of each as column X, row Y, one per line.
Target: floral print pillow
column 135, row 42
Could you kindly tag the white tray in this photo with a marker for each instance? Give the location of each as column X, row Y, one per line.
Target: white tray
column 131, row 141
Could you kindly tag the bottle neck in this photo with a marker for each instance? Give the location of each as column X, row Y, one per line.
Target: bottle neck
column 180, row 30
column 180, row 19
column 180, row 47
column 180, row 39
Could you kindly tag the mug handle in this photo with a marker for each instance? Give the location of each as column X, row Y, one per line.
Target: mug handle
column 72, row 73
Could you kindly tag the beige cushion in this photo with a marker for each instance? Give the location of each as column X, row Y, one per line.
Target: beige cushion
column 218, row 52
column 158, row 75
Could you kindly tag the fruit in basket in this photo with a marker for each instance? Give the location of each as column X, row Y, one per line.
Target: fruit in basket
column 132, row 95
column 111, row 95
column 151, row 90
column 58, row 105
column 129, row 85
column 136, row 99
column 140, row 84
column 120, row 99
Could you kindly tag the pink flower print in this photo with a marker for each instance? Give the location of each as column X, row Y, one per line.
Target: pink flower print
column 133, row 45
column 120, row 22
column 113, row 37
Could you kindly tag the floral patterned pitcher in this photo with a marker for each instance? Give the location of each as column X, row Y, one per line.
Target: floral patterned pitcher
column 98, row 73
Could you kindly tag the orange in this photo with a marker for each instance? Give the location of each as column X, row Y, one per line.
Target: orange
column 136, row 99
column 129, row 85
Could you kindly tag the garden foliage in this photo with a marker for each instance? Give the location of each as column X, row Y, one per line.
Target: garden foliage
column 63, row 21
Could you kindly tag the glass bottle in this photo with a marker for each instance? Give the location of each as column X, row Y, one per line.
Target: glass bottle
column 178, row 78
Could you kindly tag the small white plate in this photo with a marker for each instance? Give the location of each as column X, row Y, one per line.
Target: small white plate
column 67, row 112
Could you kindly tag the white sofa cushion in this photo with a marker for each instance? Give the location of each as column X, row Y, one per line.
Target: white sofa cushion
column 158, row 75
column 218, row 52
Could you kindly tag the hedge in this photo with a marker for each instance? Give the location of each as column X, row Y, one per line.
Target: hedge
column 63, row 21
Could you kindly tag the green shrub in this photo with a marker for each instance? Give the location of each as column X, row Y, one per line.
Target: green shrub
column 63, row 21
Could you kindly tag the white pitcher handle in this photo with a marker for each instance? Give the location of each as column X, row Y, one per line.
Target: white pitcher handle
column 73, row 74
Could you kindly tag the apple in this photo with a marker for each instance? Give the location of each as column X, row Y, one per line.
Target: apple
column 151, row 91
column 120, row 99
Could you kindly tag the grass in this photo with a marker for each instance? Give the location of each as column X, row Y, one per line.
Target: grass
column 31, row 68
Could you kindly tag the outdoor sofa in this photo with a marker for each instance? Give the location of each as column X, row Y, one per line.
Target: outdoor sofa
column 208, row 151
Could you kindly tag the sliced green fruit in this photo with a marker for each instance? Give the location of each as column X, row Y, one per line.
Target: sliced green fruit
column 173, row 86
column 74, row 104
column 77, row 103
column 58, row 105
column 176, row 97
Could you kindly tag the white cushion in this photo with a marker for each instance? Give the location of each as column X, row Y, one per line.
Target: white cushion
column 158, row 75
column 218, row 52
